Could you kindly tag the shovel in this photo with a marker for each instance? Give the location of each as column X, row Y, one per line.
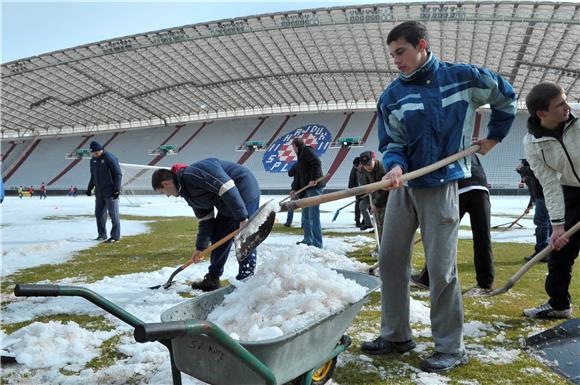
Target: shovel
column 204, row 254
column 512, row 224
column 258, row 237
column 516, row 277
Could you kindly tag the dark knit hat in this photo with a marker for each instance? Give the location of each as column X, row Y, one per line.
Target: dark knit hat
column 95, row 146
column 367, row 157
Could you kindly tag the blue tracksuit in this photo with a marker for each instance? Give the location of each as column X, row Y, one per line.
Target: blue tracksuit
column 228, row 187
column 430, row 114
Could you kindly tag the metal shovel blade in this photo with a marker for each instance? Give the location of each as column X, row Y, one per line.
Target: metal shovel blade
column 256, row 230
column 558, row 348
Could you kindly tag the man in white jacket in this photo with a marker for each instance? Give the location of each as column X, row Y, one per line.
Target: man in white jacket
column 552, row 147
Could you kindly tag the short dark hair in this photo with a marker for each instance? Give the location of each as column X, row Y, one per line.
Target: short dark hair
column 356, row 161
column 411, row 31
column 159, row 176
column 540, row 96
column 298, row 142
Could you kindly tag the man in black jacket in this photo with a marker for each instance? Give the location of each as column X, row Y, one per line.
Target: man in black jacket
column 106, row 180
column 308, row 170
column 373, row 171
column 473, row 199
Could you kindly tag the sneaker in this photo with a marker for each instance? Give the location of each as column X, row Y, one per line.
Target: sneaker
column 365, row 227
column 478, row 291
column 301, row 242
column 382, row 346
column 546, row 310
column 287, row 225
column 111, row 240
column 209, row 283
column 443, row 362
column 419, row 281
column 100, row 239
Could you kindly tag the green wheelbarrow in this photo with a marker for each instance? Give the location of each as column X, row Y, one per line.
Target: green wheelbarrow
column 204, row 351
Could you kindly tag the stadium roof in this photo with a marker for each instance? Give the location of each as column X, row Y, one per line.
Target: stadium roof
column 297, row 61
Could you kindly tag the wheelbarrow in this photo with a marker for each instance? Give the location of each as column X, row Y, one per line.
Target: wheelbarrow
column 203, row 350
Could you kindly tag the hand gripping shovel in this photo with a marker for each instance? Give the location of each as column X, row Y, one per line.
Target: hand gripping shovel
column 256, row 237
column 516, row 277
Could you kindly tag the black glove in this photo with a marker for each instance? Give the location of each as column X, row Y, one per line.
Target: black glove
column 115, row 195
column 88, row 193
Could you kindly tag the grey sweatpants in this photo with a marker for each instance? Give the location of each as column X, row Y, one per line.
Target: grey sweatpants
column 436, row 211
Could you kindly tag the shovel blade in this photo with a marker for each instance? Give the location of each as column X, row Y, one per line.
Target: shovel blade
column 256, row 230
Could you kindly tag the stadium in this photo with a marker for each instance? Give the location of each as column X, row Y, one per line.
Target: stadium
column 241, row 89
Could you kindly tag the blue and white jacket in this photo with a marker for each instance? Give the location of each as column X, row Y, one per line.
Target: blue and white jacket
column 209, row 183
column 429, row 115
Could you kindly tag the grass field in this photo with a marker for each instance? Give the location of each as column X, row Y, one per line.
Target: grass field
column 497, row 356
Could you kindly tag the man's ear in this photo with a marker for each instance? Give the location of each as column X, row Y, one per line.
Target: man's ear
column 423, row 45
column 541, row 114
column 165, row 183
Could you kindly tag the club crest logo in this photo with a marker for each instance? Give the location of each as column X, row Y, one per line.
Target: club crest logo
column 280, row 157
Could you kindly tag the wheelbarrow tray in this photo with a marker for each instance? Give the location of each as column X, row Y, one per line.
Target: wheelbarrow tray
column 288, row 356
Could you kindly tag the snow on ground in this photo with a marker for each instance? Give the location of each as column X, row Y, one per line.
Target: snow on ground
column 29, row 239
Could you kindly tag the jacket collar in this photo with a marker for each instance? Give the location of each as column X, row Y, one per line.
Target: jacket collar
column 536, row 129
column 423, row 72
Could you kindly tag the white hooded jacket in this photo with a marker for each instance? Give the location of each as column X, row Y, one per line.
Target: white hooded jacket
column 555, row 161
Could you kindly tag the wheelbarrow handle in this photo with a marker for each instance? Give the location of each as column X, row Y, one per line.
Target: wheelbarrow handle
column 160, row 331
column 24, row 290
column 28, row 290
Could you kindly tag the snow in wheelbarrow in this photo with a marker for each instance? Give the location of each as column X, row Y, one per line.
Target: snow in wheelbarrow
column 288, row 356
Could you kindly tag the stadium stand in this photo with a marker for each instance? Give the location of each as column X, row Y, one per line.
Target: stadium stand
column 220, row 138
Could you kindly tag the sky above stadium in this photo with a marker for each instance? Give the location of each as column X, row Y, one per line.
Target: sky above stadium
column 33, row 28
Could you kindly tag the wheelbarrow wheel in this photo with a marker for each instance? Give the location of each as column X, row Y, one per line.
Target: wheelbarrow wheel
column 320, row 375
column 324, row 373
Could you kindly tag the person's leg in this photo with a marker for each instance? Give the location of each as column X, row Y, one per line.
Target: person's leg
column 560, row 262
column 357, row 212
column 380, row 218
column 438, row 213
column 289, row 217
column 542, row 223
column 222, row 226
column 364, row 209
column 395, row 265
column 101, row 216
column 113, row 209
column 248, row 265
column 307, row 225
column 479, row 209
column 314, row 219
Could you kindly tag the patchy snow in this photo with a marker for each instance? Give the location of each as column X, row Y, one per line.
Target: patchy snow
column 29, row 239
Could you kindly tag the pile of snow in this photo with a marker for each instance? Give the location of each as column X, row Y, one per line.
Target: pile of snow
column 35, row 345
column 288, row 292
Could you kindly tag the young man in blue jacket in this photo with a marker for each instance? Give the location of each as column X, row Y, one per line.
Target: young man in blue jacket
column 212, row 183
column 106, row 180
column 425, row 115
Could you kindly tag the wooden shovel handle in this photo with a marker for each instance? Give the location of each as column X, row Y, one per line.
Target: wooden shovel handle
column 544, row 253
column 213, row 246
column 371, row 187
column 305, row 188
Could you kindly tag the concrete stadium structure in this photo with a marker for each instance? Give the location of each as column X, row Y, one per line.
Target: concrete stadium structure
column 211, row 88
